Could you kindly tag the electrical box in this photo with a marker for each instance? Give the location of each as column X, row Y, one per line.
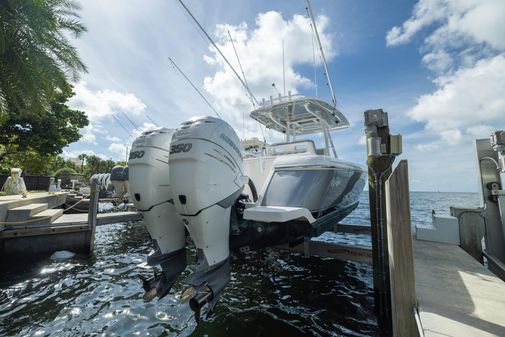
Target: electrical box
column 376, row 117
column 395, row 143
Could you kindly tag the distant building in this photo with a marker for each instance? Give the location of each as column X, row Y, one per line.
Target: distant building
column 252, row 143
column 76, row 161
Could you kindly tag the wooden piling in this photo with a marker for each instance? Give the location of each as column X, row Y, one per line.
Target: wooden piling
column 93, row 211
column 401, row 257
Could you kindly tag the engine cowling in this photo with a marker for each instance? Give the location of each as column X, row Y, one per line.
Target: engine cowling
column 119, row 178
column 149, row 187
column 206, row 175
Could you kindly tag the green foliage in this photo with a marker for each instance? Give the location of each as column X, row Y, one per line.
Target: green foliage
column 95, row 164
column 64, row 171
column 47, row 134
column 36, row 58
column 33, row 163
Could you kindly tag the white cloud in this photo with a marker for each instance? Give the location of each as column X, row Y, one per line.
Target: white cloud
column 102, row 103
column 112, row 138
column 427, row 147
column 119, row 150
column 438, row 61
column 87, row 135
column 469, row 97
column 479, row 20
column 481, row 131
column 260, row 52
column 67, row 154
column 465, row 47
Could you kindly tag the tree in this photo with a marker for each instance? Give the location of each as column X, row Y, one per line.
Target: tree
column 45, row 134
column 82, row 157
column 36, row 58
column 34, row 163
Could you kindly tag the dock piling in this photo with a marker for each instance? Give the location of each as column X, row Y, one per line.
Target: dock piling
column 401, row 257
column 93, row 211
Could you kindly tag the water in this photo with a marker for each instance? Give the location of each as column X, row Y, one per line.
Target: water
column 271, row 293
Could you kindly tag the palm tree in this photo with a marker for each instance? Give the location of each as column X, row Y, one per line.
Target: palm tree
column 82, row 157
column 36, row 57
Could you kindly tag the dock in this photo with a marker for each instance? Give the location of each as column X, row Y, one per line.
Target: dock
column 457, row 296
column 35, row 225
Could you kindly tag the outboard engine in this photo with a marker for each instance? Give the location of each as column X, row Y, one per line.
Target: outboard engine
column 206, row 178
column 119, row 179
column 150, row 191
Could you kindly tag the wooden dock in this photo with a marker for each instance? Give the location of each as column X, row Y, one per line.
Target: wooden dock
column 457, row 296
column 34, row 225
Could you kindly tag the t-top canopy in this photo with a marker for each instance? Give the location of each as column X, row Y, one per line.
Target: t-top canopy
column 299, row 115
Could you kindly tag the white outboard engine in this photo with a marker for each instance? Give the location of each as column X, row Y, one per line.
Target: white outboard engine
column 150, row 191
column 206, row 178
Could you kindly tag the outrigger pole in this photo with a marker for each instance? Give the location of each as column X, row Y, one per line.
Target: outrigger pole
column 326, row 72
column 254, row 100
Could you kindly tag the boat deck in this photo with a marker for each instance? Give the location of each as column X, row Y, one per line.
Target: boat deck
column 457, row 295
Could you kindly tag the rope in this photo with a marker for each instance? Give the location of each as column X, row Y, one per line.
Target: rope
column 43, row 218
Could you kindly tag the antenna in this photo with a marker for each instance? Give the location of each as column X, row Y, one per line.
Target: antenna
column 283, row 70
column 254, row 101
column 326, row 73
column 194, row 87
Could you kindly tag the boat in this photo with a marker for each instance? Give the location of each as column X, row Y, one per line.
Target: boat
column 193, row 184
column 295, row 173
column 194, row 181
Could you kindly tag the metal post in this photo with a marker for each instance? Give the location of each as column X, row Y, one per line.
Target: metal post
column 379, row 163
column 92, row 211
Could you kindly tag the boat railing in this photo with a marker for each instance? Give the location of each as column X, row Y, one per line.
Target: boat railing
column 268, row 103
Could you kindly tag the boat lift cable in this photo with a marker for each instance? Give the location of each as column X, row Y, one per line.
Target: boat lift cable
column 194, row 87
column 325, row 65
column 246, row 87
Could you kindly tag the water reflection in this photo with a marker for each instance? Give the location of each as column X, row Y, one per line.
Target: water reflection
column 271, row 293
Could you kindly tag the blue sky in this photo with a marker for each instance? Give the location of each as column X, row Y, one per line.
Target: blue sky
column 437, row 67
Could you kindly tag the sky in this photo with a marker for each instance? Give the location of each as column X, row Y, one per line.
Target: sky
column 436, row 66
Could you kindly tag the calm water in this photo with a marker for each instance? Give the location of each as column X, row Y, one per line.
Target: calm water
column 270, row 294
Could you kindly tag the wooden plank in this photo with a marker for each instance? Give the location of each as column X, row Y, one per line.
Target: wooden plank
column 350, row 228
column 458, row 296
column 109, row 218
column 334, row 250
column 401, row 258
column 16, row 233
column 101, row 218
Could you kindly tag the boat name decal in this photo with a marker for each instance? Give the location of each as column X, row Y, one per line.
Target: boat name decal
column 231, row 143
